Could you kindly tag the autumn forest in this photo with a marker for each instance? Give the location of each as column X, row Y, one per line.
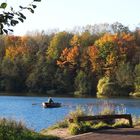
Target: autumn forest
column 98, row 60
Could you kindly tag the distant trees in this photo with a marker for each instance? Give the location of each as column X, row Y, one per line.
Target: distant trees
column 88, row 63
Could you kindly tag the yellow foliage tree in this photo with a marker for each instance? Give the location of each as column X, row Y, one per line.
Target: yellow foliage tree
column 12, row 52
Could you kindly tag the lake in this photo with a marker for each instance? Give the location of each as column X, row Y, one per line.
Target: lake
column 37, row 117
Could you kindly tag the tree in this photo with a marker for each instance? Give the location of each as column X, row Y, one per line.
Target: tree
column 2, row 48
column 84, row 84
column 124, row 77
column 87, row 39
column 93, row 54
column 64, row 80
column 137, row 36
column 38, row 79
column 11, row 17
column 57, row 44
column 114, row 48
column 13, row 75
column 137, row 78
column 119, row 28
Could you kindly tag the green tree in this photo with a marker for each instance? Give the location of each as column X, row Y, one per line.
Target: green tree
column 137, row 78
column 13, row 75
column 64, row 80
column 57, row 44
column 124, row 77
column 83, row 84
column 39, row 77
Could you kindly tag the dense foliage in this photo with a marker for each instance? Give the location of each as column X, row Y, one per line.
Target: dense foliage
column 69, row 63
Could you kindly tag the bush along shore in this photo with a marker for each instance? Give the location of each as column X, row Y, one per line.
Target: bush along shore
column 76, row 127
column 13, row 130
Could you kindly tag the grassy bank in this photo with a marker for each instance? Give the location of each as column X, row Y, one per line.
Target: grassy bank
column 12, row 130
column 82, row 127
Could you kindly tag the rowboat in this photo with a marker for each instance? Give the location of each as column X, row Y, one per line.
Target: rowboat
column 51, row 105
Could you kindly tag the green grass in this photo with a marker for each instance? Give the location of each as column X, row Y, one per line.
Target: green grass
column 12, row 130
column 120, row 124
column 88, row 126
column 105, row 109
column 101, row 125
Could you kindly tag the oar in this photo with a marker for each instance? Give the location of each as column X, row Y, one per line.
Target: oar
column 36, row 103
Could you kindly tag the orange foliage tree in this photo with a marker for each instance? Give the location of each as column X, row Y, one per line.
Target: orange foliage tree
column 93, row 54
column 111, row 49
column 69, row 57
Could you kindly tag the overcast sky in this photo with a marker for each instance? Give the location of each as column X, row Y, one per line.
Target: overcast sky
column 65, row 14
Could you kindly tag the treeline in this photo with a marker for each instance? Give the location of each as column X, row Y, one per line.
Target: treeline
column 94, row 60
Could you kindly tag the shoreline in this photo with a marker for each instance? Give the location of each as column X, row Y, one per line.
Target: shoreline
column 28, row 94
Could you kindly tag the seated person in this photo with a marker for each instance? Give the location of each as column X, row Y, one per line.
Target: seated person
column 50, row 100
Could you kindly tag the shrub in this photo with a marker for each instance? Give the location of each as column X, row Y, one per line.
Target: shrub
column 12, row 130
column 107, row 88
column 74, row 129
column 101, row 84
column 78, row 128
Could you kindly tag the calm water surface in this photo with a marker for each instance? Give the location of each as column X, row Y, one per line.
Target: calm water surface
column 37, row 118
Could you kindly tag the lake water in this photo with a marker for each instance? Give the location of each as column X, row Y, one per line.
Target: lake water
column 37, row 117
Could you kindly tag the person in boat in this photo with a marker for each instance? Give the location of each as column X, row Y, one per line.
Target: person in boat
column 50, row 100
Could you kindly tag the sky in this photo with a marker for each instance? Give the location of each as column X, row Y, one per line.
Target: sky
column 66, row 14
